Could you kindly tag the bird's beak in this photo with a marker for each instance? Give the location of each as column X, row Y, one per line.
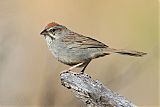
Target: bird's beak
column 44, row 32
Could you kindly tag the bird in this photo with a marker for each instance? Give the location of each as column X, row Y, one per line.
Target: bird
column 77, row 50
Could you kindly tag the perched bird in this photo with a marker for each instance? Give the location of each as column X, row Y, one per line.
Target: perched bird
column 75, row 49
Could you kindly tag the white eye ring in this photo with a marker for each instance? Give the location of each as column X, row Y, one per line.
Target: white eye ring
column 52, row 30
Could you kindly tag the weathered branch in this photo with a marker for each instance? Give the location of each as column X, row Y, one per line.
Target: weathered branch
column 92, row 92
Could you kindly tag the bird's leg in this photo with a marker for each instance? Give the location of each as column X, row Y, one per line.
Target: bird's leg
column 77, row 65
column 85, row 66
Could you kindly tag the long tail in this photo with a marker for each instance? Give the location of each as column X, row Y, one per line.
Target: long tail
column 126, row 52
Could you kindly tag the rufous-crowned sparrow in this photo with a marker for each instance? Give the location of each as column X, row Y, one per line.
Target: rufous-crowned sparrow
column 75, row 49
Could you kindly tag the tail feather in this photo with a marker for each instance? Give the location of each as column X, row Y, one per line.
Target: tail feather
column 128, row 52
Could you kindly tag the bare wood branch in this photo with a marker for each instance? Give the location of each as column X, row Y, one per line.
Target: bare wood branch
column 92, row 92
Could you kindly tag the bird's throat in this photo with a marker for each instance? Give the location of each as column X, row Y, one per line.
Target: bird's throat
column 49, row 40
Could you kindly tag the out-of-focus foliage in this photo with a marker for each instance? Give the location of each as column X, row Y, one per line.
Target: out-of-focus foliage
column 29, row 74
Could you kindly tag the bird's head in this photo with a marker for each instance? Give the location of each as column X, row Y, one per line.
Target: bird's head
column 53, row 30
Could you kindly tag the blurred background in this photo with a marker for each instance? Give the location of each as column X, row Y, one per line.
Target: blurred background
column 29, row 74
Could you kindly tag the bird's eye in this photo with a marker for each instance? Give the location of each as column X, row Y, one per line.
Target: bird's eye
column 52, row 30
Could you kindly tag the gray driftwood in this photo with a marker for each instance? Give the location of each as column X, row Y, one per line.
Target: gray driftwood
column 92, row 92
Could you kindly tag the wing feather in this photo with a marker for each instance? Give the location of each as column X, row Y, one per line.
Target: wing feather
column 74, row 40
